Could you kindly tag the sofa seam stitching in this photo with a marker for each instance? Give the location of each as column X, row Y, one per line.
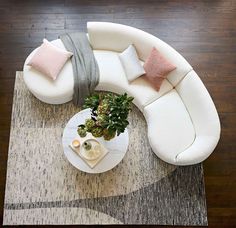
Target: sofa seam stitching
column 181, row 78
column 173, row 87
column 195, row 134
column 148, row 103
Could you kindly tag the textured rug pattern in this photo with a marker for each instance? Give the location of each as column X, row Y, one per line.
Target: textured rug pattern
column 43, row 188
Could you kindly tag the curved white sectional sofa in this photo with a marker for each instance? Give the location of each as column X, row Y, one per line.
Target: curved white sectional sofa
column 183, row 124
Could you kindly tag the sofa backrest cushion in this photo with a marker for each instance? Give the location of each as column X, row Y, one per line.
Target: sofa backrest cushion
column 117, row 37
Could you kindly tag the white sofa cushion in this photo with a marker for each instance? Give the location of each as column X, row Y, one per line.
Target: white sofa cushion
column 204, row 117
column 200, row 150
column 131, row 63
column 113, row 78
column 47, row 90
column 199, row 105
column 117, row 37
column 170, row 129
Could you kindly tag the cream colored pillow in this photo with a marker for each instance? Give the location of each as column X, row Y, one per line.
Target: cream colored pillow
column 131, row 63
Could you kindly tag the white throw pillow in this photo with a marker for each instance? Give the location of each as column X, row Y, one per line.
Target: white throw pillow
column 131, row 64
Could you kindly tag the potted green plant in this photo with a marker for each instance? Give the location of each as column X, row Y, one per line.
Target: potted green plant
column 109, row 113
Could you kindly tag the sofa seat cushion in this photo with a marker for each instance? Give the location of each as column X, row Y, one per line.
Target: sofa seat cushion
column 200, row 105
column 170, row 129
column 113, row 78
column 44, row 88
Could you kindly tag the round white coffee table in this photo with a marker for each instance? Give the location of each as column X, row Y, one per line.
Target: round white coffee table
column 116, row 147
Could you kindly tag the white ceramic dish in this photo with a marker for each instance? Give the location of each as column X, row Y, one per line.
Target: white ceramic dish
column 92, row 154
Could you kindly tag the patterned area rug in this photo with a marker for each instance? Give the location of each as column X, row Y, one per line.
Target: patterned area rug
column 44, row 188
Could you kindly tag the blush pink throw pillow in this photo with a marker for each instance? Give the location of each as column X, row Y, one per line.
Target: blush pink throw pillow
column 157, row 67
column 49, row 59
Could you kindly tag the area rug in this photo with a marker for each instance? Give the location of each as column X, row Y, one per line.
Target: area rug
column 42, row 187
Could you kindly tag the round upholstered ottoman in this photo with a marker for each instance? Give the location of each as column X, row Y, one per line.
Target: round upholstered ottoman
column 44, row 88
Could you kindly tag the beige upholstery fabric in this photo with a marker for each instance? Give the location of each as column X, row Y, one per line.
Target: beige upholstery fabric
column 170, row 129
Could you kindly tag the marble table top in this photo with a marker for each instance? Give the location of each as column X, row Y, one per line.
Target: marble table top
column 116, row 147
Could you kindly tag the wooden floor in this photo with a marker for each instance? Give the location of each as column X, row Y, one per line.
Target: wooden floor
column 204, row 32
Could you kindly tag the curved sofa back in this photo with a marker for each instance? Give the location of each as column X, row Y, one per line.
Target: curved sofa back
column 200, row 106
column 117, row 37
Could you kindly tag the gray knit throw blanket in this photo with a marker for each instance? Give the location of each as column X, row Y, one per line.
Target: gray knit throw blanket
column 85, row 67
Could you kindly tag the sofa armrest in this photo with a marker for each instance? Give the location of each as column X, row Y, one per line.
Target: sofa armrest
column 200, row 150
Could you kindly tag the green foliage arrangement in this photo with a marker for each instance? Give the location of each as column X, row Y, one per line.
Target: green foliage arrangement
column 109, row 113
